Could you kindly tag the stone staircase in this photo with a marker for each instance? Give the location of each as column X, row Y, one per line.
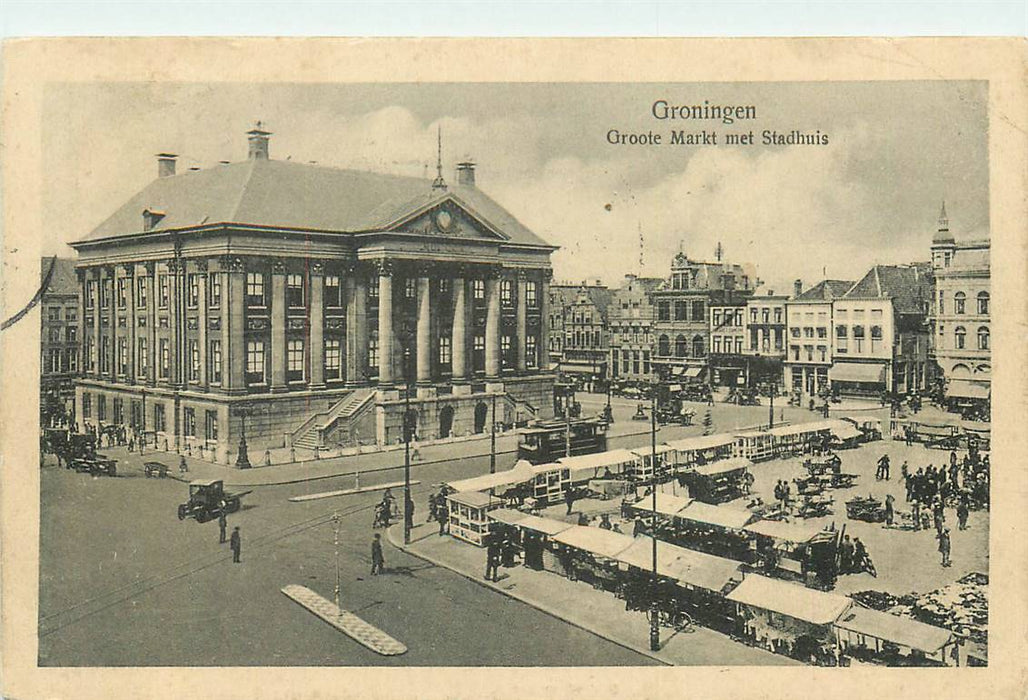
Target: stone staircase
column 311, row 432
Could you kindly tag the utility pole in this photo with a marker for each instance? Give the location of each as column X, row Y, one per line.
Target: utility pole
column 654, row 622
column 492, row 441
column 567, row 425
column 406, row 443
column 335, row 537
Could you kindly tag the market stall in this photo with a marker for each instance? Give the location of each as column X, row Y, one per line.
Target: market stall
column 644, row 470
column 701, row 449
column 499, row 483
column 896, row 641
column 469, row 520
column 532, row 534
column 754, row 445
column 784, row 546
column 590, row 554
column 719, row 482
column 667, row 505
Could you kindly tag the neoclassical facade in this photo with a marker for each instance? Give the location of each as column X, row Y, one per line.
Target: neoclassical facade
column 298, row 302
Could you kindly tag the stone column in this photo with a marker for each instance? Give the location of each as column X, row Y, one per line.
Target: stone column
column 316, row 325
column 543, row 342
column 424, row 332
column 233, row 331
column 385, row 325
column 522, row 320
column 492, row 325
column 82, row 275
column 356, row 327
column 112, row 313
column 151, row 323
column 459, row 340
column 175, row 359
column 278, row 327
column 201, row 330
column 130, row 281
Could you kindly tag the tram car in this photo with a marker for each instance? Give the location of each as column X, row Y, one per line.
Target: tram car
column 546, row 441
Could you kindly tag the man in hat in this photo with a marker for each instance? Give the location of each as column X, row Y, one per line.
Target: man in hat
column 377, row 560
column 236, row 544
column 944, row 546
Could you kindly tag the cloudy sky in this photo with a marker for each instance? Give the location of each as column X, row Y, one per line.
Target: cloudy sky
column 872, row 195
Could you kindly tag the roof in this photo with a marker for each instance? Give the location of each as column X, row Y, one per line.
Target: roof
column 648, row 451
column 596, row 460
column 285, row 194
column 681, row 564
column 666, row 503
column 907, row 285
column 547, row 526
column 721, row 516
column 520, row 473
column 798, row 532
column 825, row 290
column 893, row 628
column 475, row 499
column 595, row 540
column 63, row 279
column 507, row 516
column 789, row 599
column 702, row 442
column 723, row 466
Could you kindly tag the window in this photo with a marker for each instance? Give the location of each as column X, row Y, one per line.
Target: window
column 983, row 303
column 255, row 289
column 141, row 357
column 698, row 346
column 778, row 315
column 822, row 332
column 410, row 288
column 162, row 291
column 159, row 422
column 479, row 343
column 211, row 426
column 841, row 339
column 294, row 360
column 663, row 346
column 294, row 291
column 194, row 360
column 507, row 292
column 333, row 359
column 123, row 352
column 505, row 345
column 681, row 346
column 810, row 352
column 333, row 291
column 715, row 316
column 635, row 362
column 373, row 287
column 858, row 339
column 959, row 300
column 193, row 291
column 105, row 354
column 53, row 313
column 53, row 361
column 255, row 361
column 753, row 339
column 646, row 361
column 942, row 295
column 531, row 356
column 118, row 406
column 54, row 335
column 822, row 352
column 71, row 360
column 165, row 358
column 779, row 339
column 189, row 422
column 624, row 361
column 876, row 338
column 214, row 297
column 72, row 314
column 478, row 290
column 738, row 345
column 141, row 292
column 765, row 316
column 445, row 354
column 87, row 404
column 795, row 352
column 795, row 332
column 531, row 294
column 682, row 311
column 663, row 311
column 983, row 338
column 101, row 407
column 215, row 362
column 808, row 332
column 753, row 315
column 90, row 358
column 716, row 345
column 105, row 292
column 90, row 294
column 960, row 337
column 373, row 353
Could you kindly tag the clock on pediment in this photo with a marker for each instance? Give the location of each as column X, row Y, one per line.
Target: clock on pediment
column 443, row 220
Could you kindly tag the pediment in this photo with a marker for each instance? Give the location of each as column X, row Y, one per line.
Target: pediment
column 450, row 219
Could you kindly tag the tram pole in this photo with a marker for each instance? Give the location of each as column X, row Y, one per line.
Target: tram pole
column 335, row 538
column 654, row 622
column 492, row 441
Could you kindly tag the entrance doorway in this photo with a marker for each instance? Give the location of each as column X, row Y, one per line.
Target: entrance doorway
column 481, row 412
column 445, row 421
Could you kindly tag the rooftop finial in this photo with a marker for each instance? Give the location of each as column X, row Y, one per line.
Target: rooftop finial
column 439, row 182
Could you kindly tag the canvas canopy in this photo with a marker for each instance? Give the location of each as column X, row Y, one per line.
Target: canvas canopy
column 520, row 473
column 597, row 460
column 475, row 499
column 702, row 442
column 681, row 564
column 964, row 389
column 723, row 466
column 666, row 503
column 547, row 526
column 595, row 540
column 798, row 602
column 893, row 628
column 731, row 518
column 798, row 532
column 856, row 372
column 507, row 516
column 693, row 371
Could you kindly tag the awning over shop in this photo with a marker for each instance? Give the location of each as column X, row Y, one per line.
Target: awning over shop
column 580, row 369
column 798, row 602
column 694, row 371
column 799, row 533
column 677, row 371
column 723, row 466
column 681, row 564
column 721, row 516
column 553, row 366
column 521, row 472
column 845, row 431
column 666, row 503
column 893, row 628
column 857, row 372
column 967, row 389
column 595, row 540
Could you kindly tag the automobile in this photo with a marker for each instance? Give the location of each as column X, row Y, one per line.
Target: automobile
column 155, row 469
column 208, row 500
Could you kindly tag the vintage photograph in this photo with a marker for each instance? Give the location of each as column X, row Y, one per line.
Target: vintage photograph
column 515, row 374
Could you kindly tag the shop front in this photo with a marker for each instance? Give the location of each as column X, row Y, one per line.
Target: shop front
column 859, row 379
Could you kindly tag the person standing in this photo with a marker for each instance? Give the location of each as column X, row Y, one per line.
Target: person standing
column 492, row 559
column 442, row 514
column 377, row 560
column 569, row 499
column 846, row 556
column 944, row 546
column 939, row 515
column 889, row 511
column 235, row 542
column 222, row 526
column 962, row 512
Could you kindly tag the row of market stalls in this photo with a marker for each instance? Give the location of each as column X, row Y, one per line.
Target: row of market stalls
column 720, row 592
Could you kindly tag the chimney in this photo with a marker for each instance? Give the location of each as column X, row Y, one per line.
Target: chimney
column 258, row 139
column 166, row 164
column 797, row 288
column 466, row 173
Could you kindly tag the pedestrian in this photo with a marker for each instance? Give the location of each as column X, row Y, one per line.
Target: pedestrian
column 779, row 493
column 862, row 559
column 962, row 512
column 377, row 560
column 889, row 511
column 235, row 542
column 408, row 513
column 442, row 516
column 846, row 556
column 569, row 499
column 182, row 466
column 886, row 468
column 492, row 559
column 944, row 546
column 939, row 515
column 605, row 522
column 616, row 528
column 222, row 526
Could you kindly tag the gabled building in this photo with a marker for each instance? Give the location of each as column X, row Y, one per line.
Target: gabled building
column 766, row 332
column 59, row 338
column 631, row 329
column 961, row 312
column 293, row 303
column 881, row 332
column 809, row 340
column 580, row 349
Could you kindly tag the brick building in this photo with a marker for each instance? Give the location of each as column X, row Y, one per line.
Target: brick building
column 631, row 329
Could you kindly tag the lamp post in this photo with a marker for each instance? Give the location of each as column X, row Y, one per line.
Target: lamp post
column 242, row 459
column 335, row 539
column 492, row 440
column 407, row 516
column 654, row 622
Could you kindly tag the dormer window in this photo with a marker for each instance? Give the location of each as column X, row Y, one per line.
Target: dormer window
column 151, row 217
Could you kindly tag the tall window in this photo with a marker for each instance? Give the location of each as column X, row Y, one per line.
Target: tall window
column 71, row 360
column 663, row 311
column 122, row 294
column 505, row 346
column 443, row 285
column 858, row 339
column 532, row 294
column 159, row 422
column 294, row 361
column 105, row 293
column 698, row 311
column 841, row 339
column 681, row 310
column 822, row 352
column 91, row 294
column 165, row 358
column 193, row 293
column 101, row 407
column 141, row 357
column 410, row 288
column 333, row 291
column 123, row 352
column 90, row 358
column 983, row 338
column 959, row 300
column 141, row 292
column 87, row 404
column 753, row 315
column 478, row 346
column 294, row 291
column 445, row 356
column 189, row 422
column 778, row 315
column 715, row 317
column 960, row 337
column 507, row 292
column 118, row 406
column 194, row 360
column 215, row 361
column 373, row 287
column 214, row 297
column 333, row 358
column 716, row 345
column 664, row 346
column 163, row 291
column 255, row 289
column 876, row 338
column 478, row 289
column 105, row 354
column 698, row 346
column 681, row 346
column 942, row 295
column 983, row 303
column 211, row 426
column 373, row 353
column 255, row 361
column 531, row 356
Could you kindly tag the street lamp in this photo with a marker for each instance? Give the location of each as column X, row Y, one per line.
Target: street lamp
column 407, row 515
column 335, row 538
column 242, row 459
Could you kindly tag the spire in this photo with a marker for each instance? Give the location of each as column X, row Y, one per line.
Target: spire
column 942, row 234
column 439, row 183
column 719, row 251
